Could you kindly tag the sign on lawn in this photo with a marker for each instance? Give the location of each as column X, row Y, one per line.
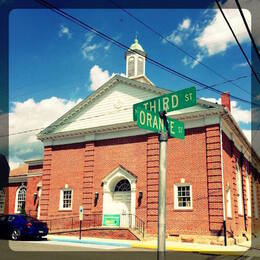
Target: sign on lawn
column 112, row 220
column 153, row 122
column 169, row 102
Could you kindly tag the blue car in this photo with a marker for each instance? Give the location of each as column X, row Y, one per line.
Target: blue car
column 17, row 226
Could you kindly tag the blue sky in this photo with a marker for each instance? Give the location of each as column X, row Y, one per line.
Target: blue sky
column 53, row 60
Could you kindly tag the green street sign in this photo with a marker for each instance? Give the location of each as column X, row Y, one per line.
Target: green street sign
column 112, row 220
column 152, row 121
column 174, row 101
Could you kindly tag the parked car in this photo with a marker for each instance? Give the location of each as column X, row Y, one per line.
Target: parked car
column 17, row 226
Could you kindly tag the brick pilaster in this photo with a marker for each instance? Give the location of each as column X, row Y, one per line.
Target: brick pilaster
column 88, row 198
column 214, row 178
column 46, row 182
column 152, row 182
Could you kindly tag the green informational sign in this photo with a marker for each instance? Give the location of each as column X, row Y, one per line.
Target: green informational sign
column 111, row 220
column 152, row 121
column 174, row 101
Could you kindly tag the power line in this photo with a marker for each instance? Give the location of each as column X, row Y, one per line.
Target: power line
column 62, row 124
column 221, row 83
column 239, row 45
column 176, row 46
column 122, row 46
column 248, row 30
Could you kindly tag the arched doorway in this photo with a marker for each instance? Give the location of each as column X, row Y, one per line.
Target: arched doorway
column 119, row 196
column 122, row 201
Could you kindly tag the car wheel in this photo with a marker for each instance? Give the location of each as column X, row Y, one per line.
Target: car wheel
column 16, row 234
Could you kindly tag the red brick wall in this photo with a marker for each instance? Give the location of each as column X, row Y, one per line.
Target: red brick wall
column 67, row 167
column 236, row 224
column 31, row 205
column 187, row 159
column 196, row 159
column 10, row 196
column 130, row 152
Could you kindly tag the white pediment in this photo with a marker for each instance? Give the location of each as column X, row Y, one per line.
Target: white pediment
column 113, row 107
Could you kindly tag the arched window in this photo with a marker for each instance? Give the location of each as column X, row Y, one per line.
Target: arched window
column 131, row 67
column 140, row 66
column 20, row 199
column 2, row 201
column 123, row 185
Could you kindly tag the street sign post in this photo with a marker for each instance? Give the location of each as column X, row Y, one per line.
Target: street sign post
column 151, row 115
column 170, row 102
column 80, row 220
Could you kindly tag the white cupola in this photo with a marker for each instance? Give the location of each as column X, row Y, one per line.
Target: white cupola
column 135, row 63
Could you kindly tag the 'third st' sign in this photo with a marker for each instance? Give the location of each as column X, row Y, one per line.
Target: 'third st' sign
column 153, row 122
column 169, row 102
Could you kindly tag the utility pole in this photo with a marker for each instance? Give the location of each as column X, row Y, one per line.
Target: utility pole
column 163, row 138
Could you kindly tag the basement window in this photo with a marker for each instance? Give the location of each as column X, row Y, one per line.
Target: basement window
column 182, row 196
column 66, row 199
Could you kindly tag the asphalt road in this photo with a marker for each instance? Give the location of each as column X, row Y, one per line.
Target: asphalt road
column 49, row 250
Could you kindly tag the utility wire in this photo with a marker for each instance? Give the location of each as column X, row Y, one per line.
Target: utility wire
column 227, row 81
column 247, row 28
column 176, row 46
column 65, row 123
column 239, row 45
column 122, row 46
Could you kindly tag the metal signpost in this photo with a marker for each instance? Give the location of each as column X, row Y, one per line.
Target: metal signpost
column 80, row 220
column 151, row 115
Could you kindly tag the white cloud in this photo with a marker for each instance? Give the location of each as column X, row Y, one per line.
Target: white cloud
column 64, row 31
column 88, row 48
column 253, row 137
column 241, row 115
column 184, row 25
column 181, row 33
column 189, row 61
column 29, row 115
column 240, row 65
column 186, row 60
column 174, row 37
column 248, row 134
column 217, row 37
column 98, row 77
column 199, row 58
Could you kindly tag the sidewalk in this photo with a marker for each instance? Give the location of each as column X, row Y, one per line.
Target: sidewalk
column 235, row 250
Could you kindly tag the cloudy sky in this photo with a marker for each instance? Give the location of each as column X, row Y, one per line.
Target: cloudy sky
column 54, row 63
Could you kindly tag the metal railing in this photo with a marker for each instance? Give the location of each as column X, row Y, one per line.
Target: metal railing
column 93, row 220
column 72, row 222
column 133, row 222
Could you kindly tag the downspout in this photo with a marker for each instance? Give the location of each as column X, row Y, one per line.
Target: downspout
column 243, row 195
column 222, row 180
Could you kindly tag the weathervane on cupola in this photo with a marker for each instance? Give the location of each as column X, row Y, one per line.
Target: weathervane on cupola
column 135, row 62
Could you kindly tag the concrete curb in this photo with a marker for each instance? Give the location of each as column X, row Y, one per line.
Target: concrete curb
column 193, row 250
column 92, row 242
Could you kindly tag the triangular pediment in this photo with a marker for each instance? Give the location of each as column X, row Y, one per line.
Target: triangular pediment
column 112, row 104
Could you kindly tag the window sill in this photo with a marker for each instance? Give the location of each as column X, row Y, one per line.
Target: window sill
column 240, row 215
column 65, row 210
column 230, row 218
column 179, row 209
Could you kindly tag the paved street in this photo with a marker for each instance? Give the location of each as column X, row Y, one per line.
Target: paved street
column 61, row 250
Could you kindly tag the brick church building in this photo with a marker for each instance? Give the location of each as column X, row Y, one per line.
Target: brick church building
column 97, row 158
